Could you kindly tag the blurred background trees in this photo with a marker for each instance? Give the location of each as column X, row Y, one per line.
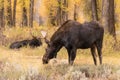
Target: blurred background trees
column 24, row 15
column 94, row 10
column 1, row 13
column 8, row 13
column 55, row 12
column 31, row 9
column 14, row 12
column 108, row 16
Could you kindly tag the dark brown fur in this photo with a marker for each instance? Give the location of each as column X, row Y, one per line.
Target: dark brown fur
column 32, row 43
column 73, row 35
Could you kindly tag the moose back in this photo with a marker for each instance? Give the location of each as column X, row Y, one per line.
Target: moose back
column 73, row 35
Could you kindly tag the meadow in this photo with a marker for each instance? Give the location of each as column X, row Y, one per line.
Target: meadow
column 26, row 63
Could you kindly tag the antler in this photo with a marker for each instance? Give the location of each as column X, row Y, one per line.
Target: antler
column 44, row 34
column 32, row 34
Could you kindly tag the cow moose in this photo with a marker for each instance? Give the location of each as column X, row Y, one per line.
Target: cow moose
column 74, row 35
column 35, row 42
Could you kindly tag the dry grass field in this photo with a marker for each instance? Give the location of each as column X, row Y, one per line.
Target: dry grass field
column 26, row 63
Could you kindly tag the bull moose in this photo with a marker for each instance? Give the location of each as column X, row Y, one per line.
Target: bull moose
column 74, row 35
column 35, row 42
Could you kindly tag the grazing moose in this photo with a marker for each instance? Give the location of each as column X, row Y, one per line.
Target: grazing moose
column 73, row 35
column 35, row 42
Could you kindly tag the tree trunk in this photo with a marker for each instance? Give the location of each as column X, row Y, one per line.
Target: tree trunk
column 14, row 12
column 108, row 16
column 52, row 18
column 9, row 14
column 2, row 14
column 31, row 13
column 112, row 18
column 105, row 14
column 59, row 13
column 62, row 13
column 94, row 10
column 37, row 16
column 75, row 12
column 24, row 15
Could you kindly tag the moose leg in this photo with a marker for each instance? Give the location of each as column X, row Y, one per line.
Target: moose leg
column 93, row 54
column 57, row 50
column 99, row 48
column 72, row 55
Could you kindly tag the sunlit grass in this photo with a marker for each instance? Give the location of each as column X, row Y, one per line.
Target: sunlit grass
column 26, row 63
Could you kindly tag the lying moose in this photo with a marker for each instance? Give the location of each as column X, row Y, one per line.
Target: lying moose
column 73, row 35
column 35, row 42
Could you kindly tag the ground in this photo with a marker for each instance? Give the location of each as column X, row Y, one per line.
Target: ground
column 26, row 63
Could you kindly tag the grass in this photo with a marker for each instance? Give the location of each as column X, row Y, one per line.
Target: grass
column 26, row 63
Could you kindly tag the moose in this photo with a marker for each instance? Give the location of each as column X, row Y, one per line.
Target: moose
column 35, row 42
column 73, row 35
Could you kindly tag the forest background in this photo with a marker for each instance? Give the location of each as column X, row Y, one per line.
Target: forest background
column 21, row 19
